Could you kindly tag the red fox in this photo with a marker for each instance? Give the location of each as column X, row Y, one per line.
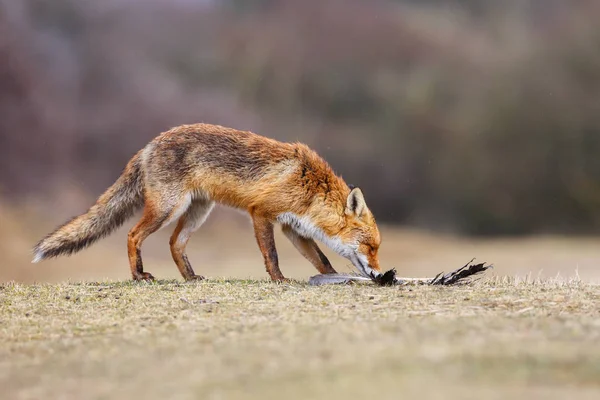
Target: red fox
column 183, row 172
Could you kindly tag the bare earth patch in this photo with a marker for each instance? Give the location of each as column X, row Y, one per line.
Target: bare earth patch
column 257, row 339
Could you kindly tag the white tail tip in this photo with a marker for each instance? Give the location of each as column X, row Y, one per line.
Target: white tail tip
column 38, row 257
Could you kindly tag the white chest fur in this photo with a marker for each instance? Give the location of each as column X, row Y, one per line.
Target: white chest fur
column 308, row 229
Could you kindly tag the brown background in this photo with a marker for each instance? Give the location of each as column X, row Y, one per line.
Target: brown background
column 472, row 126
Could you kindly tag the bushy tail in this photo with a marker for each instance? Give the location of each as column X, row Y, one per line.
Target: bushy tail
column 111, row 210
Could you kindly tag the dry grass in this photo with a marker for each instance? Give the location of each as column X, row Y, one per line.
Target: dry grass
column 256, row 339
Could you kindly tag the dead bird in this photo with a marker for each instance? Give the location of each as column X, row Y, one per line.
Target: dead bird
column 461, row 275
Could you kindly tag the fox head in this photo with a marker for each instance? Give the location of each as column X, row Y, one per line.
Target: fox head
column 351, row 231
column 359, row 236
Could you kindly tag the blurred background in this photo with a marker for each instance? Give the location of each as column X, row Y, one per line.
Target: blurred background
column 473, row 126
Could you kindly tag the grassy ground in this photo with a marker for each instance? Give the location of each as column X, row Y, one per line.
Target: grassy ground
column 256, row 339
column 248, row 338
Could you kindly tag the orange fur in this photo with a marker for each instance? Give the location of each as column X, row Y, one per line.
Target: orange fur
column 179, row 176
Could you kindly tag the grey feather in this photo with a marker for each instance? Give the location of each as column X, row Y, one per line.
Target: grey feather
column 335, row 279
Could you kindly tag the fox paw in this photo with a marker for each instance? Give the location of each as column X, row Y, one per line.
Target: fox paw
column 143, row 276
column 194, row 278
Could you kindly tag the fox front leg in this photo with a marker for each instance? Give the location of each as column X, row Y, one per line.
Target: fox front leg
column 309, row 249
column 265, row 237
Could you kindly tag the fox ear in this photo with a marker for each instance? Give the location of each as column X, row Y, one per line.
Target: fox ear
column 355, row 204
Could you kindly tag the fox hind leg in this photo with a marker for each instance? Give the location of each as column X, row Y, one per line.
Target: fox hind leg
column 155, row 216
column 309, row 249
column 189, row 222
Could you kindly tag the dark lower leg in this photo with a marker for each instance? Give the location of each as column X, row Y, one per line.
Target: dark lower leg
column 310, row 250
column 263, row 230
